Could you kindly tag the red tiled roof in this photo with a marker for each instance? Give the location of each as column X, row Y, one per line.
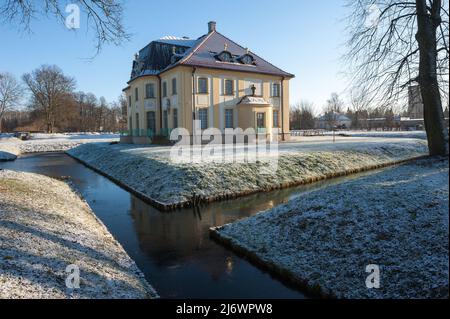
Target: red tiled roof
column 203, row 55
column 158, row 56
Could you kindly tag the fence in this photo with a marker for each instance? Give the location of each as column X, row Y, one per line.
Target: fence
column 138, row 132
column 307, row 132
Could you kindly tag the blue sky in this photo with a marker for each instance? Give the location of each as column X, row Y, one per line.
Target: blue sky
column 302, row 37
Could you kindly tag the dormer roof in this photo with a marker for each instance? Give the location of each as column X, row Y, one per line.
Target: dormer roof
column 212, row 50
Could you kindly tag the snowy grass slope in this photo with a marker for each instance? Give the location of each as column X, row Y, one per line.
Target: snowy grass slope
column 323, row 240
column 150, row 173
column 44, row 227
column 11, row 147
column 383, row 134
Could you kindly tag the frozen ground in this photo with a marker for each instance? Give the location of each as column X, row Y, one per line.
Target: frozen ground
column 44, row 227
column 11, row 147
column 385, row 134
column 150, row 171
column 397, row 219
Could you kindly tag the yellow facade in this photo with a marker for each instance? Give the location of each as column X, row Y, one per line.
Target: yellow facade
column 181, row 103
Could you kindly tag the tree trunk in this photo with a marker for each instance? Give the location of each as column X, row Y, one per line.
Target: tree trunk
column 435, row 126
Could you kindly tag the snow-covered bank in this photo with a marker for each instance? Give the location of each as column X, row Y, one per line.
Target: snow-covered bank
column 384, row 134
column 396, row 219
column 44, row 227
column 150, row 173
column 11, row 147
column 7, row 155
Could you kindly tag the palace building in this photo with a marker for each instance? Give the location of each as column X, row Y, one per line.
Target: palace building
column 212, row 79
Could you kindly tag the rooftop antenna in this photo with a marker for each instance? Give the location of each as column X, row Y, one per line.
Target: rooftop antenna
column 225, row 47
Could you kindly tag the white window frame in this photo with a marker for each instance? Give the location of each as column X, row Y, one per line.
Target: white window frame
column 278, row 118
column 200, row 111
column 175, row 119
column 198, row 84
column 154, row 90
column 229, row 110
column 164, row 89
column 174, row 87
column 272, row 89
column 225, row 87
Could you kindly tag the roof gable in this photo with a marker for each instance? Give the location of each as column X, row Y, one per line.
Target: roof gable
column 204, row 55
column 168, row 52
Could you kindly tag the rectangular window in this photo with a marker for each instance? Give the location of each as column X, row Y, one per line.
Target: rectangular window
column 228, row 87
column 164, row 89
column 129, row 100
column 260, row 122
column 165, row 120
column 151, row 121
column 174, row 86
column 202, row 86
column 229, row 118
column 149, row 91
column 175, row 118
column 136, row 94
column 275, row 119
column 203, row 117
column 137, row 123
column 275, row 90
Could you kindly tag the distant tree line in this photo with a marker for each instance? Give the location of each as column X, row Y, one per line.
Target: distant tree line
column 54, row 105
column 358, row 110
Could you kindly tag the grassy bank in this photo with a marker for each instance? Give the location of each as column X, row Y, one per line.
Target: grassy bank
column 149, row 172
column 323, row 241
column 44, row 227
column 11, row 147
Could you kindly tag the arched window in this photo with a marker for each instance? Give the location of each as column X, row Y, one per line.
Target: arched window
column 225, row 56
column 247, row 59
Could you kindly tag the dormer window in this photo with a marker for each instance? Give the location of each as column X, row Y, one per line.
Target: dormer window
column 247, row 59
column 225, row 56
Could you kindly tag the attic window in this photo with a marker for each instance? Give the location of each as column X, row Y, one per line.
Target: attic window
column 247, row 59
column 225, row 56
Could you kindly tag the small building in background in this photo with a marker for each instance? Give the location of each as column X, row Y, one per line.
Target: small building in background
column 329, row 121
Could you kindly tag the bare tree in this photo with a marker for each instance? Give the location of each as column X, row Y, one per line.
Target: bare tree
column 333, row 109
column 360, row 107
column 10, row 94
column 394, row 43
column 49, row 89
column 120, row 109
column 302, row 116
column 104, row 17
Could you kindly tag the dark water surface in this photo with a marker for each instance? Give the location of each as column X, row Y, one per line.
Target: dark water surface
column 173, row 249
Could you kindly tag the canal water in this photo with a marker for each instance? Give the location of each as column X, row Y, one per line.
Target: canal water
column 173, row 249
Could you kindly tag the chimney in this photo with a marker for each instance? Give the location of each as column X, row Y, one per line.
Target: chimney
column 211, row 26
